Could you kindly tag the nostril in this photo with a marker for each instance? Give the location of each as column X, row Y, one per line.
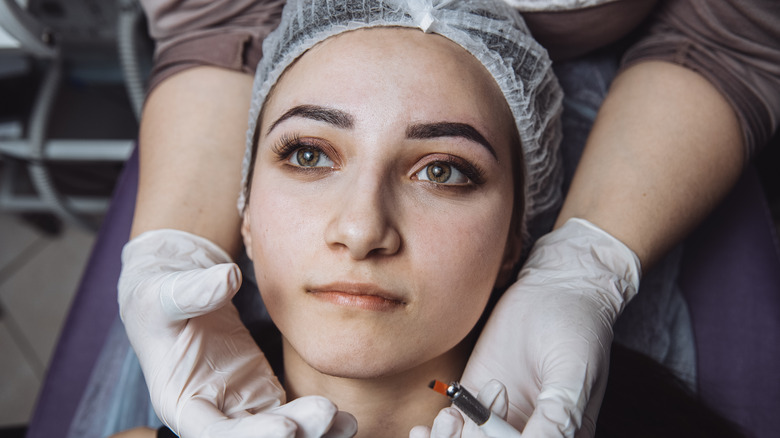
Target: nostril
column 363, row 235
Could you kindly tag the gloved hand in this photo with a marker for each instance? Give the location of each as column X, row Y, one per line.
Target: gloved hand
column 548, row 339
column 205, row 374
column 451, row 423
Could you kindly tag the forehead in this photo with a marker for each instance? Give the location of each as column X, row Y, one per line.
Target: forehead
column 398, row 73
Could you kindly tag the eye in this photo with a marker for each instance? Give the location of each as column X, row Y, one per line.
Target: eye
column 305, row 153
column 308, row 156
column 442, row 172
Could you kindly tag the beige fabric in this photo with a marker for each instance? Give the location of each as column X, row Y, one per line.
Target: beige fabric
column 191, row 33
column 733, row 43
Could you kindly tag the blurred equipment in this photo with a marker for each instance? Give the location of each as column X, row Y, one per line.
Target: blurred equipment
column 66, row 122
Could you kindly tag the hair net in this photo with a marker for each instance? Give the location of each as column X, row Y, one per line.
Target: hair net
column 490, row 30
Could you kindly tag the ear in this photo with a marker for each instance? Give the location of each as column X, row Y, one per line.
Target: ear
column 512, row 252
column 246, row 233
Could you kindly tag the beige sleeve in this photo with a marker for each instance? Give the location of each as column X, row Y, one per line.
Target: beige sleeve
column 221, row 33
column 735, row 44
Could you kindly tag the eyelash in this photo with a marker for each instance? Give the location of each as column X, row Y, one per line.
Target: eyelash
column 289, row 143
column 286, row 145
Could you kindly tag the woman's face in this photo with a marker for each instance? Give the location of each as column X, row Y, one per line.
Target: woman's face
column 381, row 200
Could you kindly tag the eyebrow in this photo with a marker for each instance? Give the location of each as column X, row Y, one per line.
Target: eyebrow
column 422, row 131
column 418, row 131
column 331, row 116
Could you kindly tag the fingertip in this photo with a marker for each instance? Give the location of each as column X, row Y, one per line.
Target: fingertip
column 234, row 278
column 321, row 404
column 254, row 426
column 494, row 395
column 420, row 432
column 452, row 412
column 198, row 292
column 344, row 425
column 448, row 424
column 491, row 392
column 273, row 426
column 314, row 414
column 224, row 277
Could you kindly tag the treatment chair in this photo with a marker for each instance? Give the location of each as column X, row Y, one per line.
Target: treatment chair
column 730, row 278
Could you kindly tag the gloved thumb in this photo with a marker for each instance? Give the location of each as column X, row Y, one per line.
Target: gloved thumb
column 197, row 292
column 318, row 417
column 494, row 396
column 259, row 425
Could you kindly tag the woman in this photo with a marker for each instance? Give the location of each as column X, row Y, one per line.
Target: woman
column 665, row 128
column 381, row 226
column 388, row 194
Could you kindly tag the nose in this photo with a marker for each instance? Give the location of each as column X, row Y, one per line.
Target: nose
column 364, row 221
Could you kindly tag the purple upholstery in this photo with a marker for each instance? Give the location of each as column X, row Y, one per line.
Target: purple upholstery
column 730, row 277
column 92, row 312
column 731, row 281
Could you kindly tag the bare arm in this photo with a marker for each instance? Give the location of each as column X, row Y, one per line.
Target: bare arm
column 665, row 149
column 675, row 130
column 192, row 143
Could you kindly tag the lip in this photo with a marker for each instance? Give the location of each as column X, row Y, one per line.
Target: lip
column 364, row 296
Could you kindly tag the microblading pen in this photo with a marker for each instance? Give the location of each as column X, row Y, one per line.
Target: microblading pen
column 491, row 424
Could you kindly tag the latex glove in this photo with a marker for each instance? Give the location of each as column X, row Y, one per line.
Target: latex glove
column 548, row 339
column 206, row 376
column 451, row 423
column 305, row 417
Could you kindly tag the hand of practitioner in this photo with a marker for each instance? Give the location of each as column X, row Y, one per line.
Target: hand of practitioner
column 452, row 423
column 206, row 376
column 548, row 339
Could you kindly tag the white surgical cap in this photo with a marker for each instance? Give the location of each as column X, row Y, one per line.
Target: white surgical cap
column 490, row 30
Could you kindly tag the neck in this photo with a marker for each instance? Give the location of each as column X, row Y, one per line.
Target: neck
column 383, row 406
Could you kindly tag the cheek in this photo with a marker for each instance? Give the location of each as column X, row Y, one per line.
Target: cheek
column 281, row 229
column 458, row 260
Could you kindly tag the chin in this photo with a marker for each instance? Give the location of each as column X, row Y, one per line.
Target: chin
column 358, row 362
column 353, row 371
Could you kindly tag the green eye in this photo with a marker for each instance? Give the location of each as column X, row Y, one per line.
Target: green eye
column 307, row 157
column 438, row 172
column 310, row 157
column 441, row 172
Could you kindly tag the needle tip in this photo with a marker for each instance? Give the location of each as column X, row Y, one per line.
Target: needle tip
column 438, row 386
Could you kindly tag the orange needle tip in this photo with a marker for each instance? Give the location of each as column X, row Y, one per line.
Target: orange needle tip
column 438, row 386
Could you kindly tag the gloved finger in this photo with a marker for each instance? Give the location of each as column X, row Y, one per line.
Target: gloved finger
column 188, row 418
column 185, row 295
column 448, row 424
column 314, row 415
column 570, row 392
column 420, row 432
column 262, row 425
column 201, row 415
column 494, row 396
column 344, row 426
column 552, row 417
